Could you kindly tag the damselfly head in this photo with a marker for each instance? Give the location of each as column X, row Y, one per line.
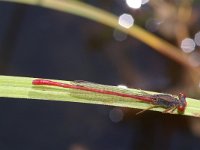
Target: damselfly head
column 181, row 95
column 183, row 103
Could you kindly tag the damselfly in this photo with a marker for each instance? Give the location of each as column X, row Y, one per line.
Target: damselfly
column 167, row 101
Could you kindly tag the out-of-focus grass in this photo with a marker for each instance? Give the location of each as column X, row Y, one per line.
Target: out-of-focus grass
column 81, row 9
column 21, row 87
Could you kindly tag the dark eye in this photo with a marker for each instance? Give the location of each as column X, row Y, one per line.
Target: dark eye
column 181, row 95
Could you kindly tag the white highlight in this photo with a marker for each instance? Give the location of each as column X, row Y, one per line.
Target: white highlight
column 122, row 86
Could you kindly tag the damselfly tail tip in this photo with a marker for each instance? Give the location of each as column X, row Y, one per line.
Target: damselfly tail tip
column 46, row 82
column 37, row 81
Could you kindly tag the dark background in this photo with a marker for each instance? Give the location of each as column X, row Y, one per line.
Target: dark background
column 37, row 42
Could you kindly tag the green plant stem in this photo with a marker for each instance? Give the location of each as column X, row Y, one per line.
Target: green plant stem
column 81, row 9
column 21, row 87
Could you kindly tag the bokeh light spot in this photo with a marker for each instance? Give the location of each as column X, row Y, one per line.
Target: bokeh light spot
column 194, row 59
column 126, row 20
column 119, row 36
column 197, row 38
column 116, row 115
column 144, row 1
column 188, row 45
column 134, row 3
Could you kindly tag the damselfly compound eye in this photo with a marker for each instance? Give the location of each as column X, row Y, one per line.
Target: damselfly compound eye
column 181, row 95
column 181, row 108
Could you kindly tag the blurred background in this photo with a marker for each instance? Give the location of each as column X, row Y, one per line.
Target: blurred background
column 40, row 42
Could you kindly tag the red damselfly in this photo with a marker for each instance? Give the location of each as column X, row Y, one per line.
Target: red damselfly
column 167, row 101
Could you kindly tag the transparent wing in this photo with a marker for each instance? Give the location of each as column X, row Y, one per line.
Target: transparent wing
column 111, row 88
column 163, row 97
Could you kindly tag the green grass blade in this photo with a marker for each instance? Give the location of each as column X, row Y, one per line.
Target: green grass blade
column 21, row 87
